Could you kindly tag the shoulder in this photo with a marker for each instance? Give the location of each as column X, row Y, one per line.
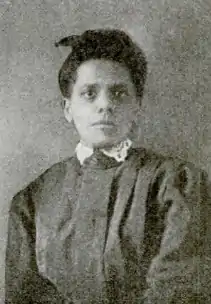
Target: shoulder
column 47, row 180
column 170, row 165
column 177, row 170
column 51, row 175
column 174, row 174
column 173, row 171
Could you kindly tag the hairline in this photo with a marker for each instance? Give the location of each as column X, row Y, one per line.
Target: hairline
column 75, row 72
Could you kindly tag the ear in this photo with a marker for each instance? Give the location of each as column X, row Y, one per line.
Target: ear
column 67, row 110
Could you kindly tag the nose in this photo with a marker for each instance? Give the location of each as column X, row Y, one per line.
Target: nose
column 104, row 104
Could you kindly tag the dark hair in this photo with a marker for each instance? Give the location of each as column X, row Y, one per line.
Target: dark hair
column 108, row 44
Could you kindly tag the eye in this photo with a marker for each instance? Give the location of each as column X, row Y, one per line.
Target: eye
column 118, row 94
column 89, row 94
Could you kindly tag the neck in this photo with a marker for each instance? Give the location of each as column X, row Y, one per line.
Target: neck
column 105, row 146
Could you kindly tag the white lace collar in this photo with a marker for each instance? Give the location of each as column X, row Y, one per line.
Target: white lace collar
column 119, row 152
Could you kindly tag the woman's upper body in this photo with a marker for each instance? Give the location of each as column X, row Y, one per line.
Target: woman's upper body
column 114, row 223
column 108, row 231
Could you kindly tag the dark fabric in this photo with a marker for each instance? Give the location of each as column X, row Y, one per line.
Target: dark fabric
column 109, row 232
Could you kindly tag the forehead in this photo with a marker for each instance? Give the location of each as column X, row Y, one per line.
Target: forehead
column 102, row 71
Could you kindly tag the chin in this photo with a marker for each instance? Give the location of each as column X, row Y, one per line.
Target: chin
column 102, row 140
column 98, row 142
column 107, row 142
column 102, row 143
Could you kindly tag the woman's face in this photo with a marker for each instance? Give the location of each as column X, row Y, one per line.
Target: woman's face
column 103, row 103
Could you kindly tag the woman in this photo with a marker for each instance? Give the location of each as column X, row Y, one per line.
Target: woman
column 113, row 223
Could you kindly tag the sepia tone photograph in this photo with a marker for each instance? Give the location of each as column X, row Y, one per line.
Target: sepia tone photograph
column 105, row 151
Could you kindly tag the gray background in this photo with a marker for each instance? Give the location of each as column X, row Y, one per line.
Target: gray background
column 176, row 109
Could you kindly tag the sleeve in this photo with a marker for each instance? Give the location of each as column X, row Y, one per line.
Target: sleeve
column 20, row 259
column 180, row 273
column 23, row 284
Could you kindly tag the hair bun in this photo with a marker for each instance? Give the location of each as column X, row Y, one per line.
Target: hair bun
column 68, row 41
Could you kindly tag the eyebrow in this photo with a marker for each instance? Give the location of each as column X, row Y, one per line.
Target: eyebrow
column 89, row 85
column 116, row 85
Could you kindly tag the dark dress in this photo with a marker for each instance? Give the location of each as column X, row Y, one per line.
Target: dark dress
column 106, row 232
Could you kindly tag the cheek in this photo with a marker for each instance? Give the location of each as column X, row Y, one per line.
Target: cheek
column 126, row 113
column 80, row 112
column 83, row 118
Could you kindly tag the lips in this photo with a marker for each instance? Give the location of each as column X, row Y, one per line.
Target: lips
column 103, row 123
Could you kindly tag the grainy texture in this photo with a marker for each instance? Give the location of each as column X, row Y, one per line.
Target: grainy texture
column 134, row 232
column 176, row 109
